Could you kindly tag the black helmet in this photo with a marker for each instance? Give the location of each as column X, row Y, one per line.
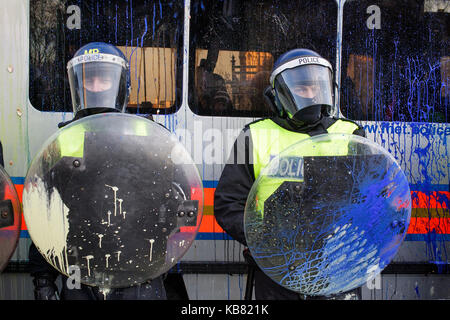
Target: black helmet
column 99, row 77
column 302, row 85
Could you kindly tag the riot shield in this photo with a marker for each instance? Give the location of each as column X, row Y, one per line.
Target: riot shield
column 10, row 218
column 105, row 197
column 328, row 214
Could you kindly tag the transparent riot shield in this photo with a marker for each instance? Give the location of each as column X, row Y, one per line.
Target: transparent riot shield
column 328, row 214
column 10, row 218
column 105, row 199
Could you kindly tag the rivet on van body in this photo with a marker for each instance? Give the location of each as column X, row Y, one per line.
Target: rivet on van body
column 10, row 69
column 19, row 112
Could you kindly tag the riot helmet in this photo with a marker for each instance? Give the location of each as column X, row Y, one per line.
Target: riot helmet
column 99, row 77
column 302, row 85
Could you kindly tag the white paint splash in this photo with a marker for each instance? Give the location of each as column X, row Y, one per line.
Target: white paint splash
column 48, row 223
column 107, row 256
column 89, row 257
column 115, row 189
column 109, row 218
column 100, row 236
column 120, row 205
column 104, row 292
column 151, row 247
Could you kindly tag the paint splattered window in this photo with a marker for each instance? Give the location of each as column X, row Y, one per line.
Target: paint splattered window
column 149, row 33
column 233, row 45
column 396, row 61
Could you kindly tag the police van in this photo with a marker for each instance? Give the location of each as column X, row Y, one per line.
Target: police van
column 200, row 68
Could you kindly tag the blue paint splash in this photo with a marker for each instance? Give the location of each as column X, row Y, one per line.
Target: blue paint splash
column 339, row 245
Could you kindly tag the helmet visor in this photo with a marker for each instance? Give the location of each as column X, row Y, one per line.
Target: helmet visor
column 97, row 84
column 304, row 86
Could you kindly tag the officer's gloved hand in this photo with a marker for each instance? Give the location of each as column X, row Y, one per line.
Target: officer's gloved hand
column 45, row 287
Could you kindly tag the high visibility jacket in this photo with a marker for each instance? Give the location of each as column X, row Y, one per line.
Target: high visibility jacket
column 71, row 139
column 270, row 139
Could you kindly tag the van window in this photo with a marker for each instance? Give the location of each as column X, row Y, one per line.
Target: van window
column 233, row 45
column 396, row 61
column 149, row 33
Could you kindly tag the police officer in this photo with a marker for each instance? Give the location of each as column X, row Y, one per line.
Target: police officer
column 301, row 94
column 99, row 80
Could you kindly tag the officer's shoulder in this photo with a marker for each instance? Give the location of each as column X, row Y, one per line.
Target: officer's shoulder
column 247, row 126
column 348, row 120
column 359, row 129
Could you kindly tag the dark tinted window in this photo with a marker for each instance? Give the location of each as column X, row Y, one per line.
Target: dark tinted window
column 148, row 32
column 234, row 43
column 396, row 60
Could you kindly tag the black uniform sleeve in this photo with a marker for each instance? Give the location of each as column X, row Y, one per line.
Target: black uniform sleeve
column 234, row 185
